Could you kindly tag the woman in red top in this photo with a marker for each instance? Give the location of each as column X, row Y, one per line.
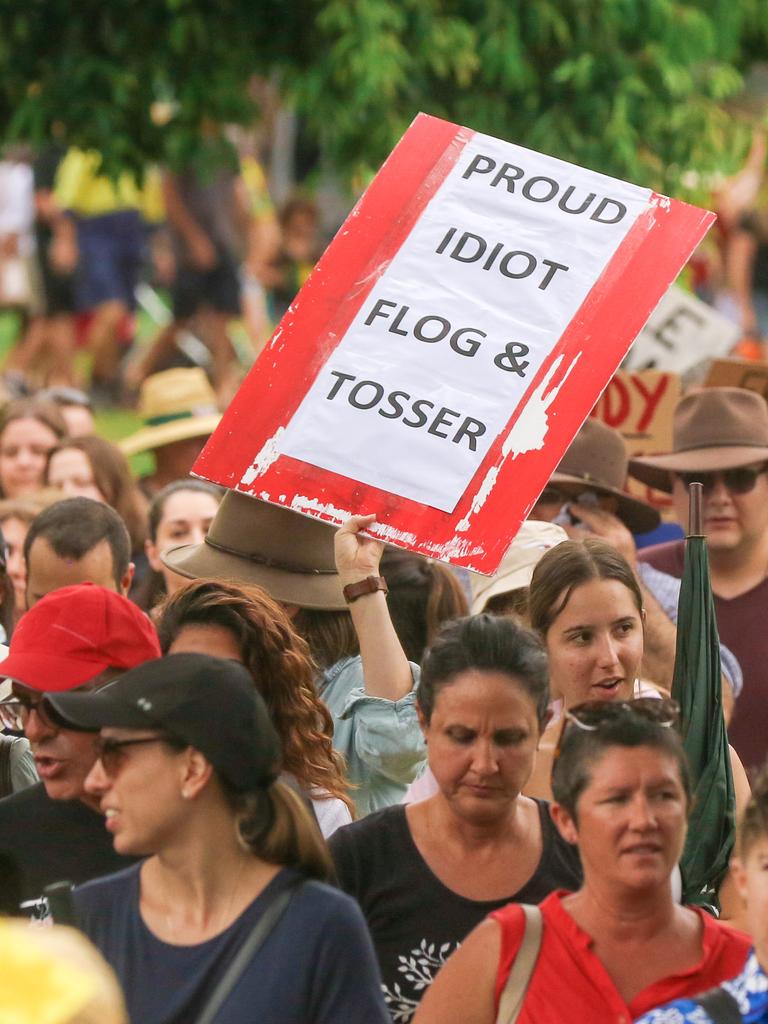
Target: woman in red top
column 620, row 945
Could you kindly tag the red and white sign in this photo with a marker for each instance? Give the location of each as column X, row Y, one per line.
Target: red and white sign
column 450, row 342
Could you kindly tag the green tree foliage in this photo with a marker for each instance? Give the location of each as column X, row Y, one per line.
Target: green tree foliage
column 635, row 88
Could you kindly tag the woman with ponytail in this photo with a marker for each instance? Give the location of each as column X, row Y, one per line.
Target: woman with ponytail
column 235, row 870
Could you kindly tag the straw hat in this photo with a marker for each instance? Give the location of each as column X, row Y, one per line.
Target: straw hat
column 532, row 541
column 175, row 405
column 713, row 428
column 597, row 461
column 289, row 555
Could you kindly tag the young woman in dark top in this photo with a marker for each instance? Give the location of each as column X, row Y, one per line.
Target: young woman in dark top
column 427, row 873
column 187, row 773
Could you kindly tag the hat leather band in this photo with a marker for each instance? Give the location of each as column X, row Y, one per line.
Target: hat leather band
column 699, row 447
column 171, row 417
column 269, row 563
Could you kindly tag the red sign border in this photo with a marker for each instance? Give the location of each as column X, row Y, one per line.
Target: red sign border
column 476, row 533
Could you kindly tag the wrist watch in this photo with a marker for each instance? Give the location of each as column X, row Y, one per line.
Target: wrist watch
column 367, row 586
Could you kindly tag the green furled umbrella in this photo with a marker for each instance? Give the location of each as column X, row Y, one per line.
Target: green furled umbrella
column 696, row 687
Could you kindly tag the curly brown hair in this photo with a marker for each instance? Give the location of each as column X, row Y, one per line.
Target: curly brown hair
column 282, row 670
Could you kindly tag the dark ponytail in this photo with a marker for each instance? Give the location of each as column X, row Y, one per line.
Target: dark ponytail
column 276, row 826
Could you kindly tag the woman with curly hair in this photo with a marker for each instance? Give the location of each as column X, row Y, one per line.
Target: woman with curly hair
column 243, row 623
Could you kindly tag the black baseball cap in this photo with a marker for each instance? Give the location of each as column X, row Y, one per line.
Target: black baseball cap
column 209, row 703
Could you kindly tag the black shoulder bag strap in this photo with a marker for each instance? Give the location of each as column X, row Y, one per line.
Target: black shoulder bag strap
column 247, row 951
column 6, row 782
column 721, row 1006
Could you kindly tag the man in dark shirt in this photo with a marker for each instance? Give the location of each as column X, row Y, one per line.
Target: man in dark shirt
column 77, row 637
column 721, row 440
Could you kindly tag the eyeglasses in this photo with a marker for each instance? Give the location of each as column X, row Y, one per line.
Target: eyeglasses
column 740, row 480
column 112, row 754
column 593, row 715
column 15, row 712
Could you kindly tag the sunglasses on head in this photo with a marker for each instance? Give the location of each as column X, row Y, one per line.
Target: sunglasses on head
column 594, row 715
column 740, row 480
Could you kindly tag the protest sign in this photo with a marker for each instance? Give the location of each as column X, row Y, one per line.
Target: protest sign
column 450, row 342
column 738, row 373
column 641, row 406
column 680, row 333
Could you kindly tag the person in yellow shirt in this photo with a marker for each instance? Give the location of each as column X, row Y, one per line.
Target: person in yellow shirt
column 111, row 239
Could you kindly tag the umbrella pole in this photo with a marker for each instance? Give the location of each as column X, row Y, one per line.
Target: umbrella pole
column 695, row 528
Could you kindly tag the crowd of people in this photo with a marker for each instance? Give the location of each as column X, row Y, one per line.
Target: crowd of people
column 259, row 746
column 276, row 771
column 197, row 250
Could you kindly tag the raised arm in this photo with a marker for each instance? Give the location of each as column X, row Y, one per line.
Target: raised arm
column 386, row 670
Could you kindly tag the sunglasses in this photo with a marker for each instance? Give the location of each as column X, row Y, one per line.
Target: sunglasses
column 112, row 752
column 593, row 715
column 740, row 480
column 553, row 495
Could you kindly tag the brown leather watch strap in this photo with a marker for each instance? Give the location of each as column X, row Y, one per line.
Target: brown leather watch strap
column 367, row 586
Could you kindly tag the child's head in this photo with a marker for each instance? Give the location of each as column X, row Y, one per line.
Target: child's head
column 299, row 221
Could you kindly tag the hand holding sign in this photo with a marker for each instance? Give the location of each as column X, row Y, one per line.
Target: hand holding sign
column 357, row 556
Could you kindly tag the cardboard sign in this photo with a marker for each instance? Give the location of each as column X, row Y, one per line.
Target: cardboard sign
column 642, row 406
column 450, row 342
column 738, row 373
column 680, row 333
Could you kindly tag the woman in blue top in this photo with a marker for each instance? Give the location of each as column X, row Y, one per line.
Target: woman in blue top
column 745, row 997
column 187, row 767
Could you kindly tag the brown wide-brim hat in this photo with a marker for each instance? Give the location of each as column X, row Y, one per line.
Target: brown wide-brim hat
column 597, row 461
column 288, row 554
column 713, row 429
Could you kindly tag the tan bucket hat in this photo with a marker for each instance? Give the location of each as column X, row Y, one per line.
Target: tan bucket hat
column 714, row 428
column 597, row 461
column 533, row 540
column 175, row 405
column 289, row 555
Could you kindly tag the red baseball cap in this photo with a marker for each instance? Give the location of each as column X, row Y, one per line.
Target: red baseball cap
column 73, row 634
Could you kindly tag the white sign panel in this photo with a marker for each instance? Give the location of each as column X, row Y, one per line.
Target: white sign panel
column 460, row 321
column 680, row 333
